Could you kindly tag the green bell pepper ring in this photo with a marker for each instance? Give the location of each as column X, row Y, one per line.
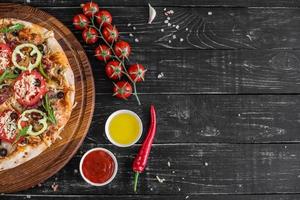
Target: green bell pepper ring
column 42, row 121
column 34, row 51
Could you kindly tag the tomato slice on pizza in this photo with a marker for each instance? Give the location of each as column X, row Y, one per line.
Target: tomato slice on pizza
column 29, row 88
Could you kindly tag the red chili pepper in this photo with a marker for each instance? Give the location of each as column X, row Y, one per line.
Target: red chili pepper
column 140, row 161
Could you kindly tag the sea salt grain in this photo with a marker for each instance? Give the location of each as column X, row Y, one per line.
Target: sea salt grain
column 177, row 27
column 209, row 13
column 134, row 28
column 131, row 35
column 169, row 24
column 169, row 164
column 187, row 29
column 206, row 164
column 170, row 41
column 166, row 21
column 161, row 180
column 128, row 24
column 168, row 18
column 160, row 75
column 181, row 39
column 174, row 37
column 136, row 40
column 187, row 197
column 162, row 30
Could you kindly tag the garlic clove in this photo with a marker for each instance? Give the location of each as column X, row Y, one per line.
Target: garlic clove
column 152, row 14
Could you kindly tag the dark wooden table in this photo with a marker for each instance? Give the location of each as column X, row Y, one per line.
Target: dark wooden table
column 226, row 82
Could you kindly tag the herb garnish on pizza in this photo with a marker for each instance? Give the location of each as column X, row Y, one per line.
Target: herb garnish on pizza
column 36, row 91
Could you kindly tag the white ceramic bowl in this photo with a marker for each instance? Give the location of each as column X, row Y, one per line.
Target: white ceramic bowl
column 120, row 112
column 111, row 155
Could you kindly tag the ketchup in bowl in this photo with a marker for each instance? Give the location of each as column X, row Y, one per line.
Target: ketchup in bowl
column 98, row 166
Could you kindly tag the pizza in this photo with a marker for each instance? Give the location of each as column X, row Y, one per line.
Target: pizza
column 36, row 91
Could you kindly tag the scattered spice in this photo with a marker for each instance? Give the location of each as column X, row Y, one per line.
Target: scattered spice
column 209, row 13
column 131, row 35
column 161, row 180
column 162, row 30
column 174, row 37
column 187, row 197
column 54, row 187
column 169, row 164
column 206, row 164
column 134, row 28
column 136, row 40
column 181, row 39
column 160, row 75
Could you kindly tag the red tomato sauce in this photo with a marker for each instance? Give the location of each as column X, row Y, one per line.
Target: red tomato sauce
column 98, row 166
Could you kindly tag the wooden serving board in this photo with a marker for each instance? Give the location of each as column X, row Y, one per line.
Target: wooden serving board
column 52, row 160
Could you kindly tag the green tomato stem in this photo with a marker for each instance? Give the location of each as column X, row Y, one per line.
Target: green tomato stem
column 135, row 93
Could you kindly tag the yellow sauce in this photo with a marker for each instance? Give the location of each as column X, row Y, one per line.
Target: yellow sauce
column 124, row 128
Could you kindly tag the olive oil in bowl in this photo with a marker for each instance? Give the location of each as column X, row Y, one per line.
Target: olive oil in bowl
column 123, row 128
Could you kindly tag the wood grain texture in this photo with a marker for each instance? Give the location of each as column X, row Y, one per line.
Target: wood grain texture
column 203, row 28
column 194, row 169
column 211, row 72
column 209, row 118
column 248, row 148
column 153, row 197
column 189, row 3
column 54, row 158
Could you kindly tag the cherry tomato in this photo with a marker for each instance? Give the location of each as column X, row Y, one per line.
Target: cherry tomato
column 90, row 35
column 110, row 33
column 114, row 70
column 122, row 90
column 5, row 57
column 90, row 8
column 137, row 72
column 103, row 17
column 80, row 22
column 8, row 125
column 103, row 53
column 122, row 49
column 29, row 88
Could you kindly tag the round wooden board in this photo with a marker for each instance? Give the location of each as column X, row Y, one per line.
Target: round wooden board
column 53, row 159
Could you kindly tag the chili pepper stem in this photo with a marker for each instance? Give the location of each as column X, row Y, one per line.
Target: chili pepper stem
column 136, row 178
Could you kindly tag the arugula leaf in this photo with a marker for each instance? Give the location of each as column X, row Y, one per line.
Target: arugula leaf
column 22, row 132
column 7, row 75
column 42, row 71
column 49, row 110
column 15, row 27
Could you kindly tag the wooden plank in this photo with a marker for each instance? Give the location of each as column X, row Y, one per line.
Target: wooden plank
column 232, row 3
column 211, row 72
column 209, row 118
column 203, row 28
column 194, row 169
column 154, row 197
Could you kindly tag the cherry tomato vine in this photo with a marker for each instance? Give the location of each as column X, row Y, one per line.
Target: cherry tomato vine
column 114, row 51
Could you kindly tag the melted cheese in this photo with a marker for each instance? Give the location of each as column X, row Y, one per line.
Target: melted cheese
column 25, row 87
column 4, row 60
column 8, row 125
